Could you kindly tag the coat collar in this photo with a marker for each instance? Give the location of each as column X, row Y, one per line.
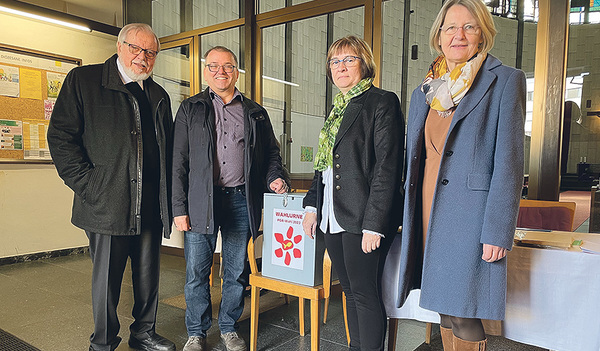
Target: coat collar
column 110, row 75
column 482, row 84
column 112, row 80
column 352, row 111
column 484, row 80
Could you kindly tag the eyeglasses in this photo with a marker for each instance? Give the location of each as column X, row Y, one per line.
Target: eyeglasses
column 349, row 61
column 214, row 68
column 467, row 28
column 135, row 50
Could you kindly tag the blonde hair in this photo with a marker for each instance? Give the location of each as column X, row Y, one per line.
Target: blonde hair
column 360, row 48
column 478, row 10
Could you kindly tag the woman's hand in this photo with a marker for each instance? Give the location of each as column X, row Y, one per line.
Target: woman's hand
column 492, row 253
column 182, row 223
column 370, row 242
column 309, row 224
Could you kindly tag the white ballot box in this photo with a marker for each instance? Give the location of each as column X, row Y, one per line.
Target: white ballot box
column 288, row 254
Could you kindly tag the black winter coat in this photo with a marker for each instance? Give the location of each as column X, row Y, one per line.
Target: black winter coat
column 96, row 143
column 367, row 166
column 193, row 156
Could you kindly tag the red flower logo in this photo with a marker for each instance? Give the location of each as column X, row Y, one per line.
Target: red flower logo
column 287, row 244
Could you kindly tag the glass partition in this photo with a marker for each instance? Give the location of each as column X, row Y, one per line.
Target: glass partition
column 172, row 70
column 231, row 39
column 295, row 88
column 582, row 108
column 207, row 13
column 270, row 5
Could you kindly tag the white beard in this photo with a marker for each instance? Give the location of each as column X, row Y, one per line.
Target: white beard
column 136, row 77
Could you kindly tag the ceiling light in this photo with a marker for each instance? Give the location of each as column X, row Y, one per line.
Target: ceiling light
column 45, row 19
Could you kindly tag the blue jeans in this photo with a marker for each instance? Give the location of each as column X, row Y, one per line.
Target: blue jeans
column 231, row 216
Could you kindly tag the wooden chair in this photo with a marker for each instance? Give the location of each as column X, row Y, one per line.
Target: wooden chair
column 314, row 294
column 552, row 215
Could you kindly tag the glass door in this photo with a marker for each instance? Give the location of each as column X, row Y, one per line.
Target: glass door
column 174, row 71
column 295, row 88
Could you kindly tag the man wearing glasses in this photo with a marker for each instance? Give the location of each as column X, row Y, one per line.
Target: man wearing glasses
column 225, row 157
column 110, row 137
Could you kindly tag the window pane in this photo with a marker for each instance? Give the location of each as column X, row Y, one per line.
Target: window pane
column 231, row 39
column 349, row 22
column 166, row 17
column 392, row 41
column 528, row 66
column 270, row 5
column 581, row 88
column 424, row 13
column 206, row 13
column 172, row 72
column 295, row 85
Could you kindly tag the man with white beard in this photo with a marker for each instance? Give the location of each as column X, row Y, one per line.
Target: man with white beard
column 110, row 137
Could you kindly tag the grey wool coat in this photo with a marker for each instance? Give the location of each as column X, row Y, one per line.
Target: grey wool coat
column 476, row 199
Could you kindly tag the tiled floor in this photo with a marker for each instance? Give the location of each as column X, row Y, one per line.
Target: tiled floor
column 47, row 303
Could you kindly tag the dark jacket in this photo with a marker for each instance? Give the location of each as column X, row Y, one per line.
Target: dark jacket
column 367, row 166
column 193, row 157
column 96, row 144
column 476, row 200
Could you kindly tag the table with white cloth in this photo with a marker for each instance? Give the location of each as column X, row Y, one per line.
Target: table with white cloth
column 552, row 300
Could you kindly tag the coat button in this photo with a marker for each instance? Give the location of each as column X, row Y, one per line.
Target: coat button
column 337, row 165
column 412, row 184
column 337, row 155
column 445, row 181
column 133, row 132
column 133, row 180
column 337, row 176
column 414, row 157
column 337, row 187
column 449, row 153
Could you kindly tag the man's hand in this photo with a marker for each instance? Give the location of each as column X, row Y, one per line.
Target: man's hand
column 182, row 223
column 278, row 186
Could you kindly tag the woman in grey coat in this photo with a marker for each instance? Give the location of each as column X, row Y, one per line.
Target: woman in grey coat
column 464, row 177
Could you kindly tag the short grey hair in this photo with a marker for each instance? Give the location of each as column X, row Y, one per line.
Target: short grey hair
column 220, row 48
column 136, row 27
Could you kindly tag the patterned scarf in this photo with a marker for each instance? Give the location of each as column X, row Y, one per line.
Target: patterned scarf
column 324, row 156
column 444, row 90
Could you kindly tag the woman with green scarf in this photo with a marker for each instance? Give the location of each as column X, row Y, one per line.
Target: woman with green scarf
column 354, row 199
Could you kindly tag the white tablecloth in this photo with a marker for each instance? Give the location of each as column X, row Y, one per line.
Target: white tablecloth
column 553, row 299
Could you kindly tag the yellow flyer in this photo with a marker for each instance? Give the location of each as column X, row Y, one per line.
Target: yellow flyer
column 31, row 83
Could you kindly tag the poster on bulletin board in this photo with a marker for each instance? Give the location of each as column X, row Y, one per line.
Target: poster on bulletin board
column 30, row 82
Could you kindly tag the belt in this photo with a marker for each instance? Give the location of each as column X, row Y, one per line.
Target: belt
column 230, row 189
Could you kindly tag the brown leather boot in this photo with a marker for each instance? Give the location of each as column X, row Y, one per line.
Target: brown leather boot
column 447, row 337
column 464, row 345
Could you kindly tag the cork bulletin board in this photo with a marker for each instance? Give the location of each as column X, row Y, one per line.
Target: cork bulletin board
column 29, row 85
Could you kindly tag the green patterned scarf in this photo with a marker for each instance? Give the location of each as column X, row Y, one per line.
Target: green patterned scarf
column 324, row 156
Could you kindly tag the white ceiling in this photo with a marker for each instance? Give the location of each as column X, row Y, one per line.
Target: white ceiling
column 104, row 11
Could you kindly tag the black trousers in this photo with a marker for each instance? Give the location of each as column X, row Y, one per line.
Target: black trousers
column 360, row 276
column 109, row 257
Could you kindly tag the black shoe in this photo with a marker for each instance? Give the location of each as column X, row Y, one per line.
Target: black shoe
column 153, row 343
